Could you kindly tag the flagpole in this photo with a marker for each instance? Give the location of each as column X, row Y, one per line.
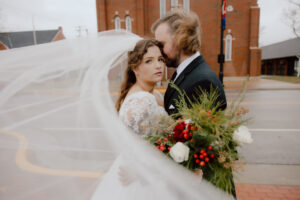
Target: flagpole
column 221, row 55
column 34, row 33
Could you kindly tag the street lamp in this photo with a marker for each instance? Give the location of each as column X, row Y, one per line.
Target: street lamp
column 223, row 26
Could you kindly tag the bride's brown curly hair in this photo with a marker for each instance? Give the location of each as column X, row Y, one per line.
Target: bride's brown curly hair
column 135, row 58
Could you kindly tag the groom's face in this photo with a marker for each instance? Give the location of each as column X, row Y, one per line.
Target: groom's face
column 163, row 35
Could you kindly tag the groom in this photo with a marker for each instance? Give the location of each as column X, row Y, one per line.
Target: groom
column 179, row 32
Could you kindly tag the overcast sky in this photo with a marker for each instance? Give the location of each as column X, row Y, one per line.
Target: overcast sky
column 20, row 15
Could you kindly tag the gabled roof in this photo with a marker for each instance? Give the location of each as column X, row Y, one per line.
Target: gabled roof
column 26, row 38
column 288, row 48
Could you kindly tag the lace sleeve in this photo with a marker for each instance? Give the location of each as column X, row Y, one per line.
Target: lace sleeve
column 141, row 113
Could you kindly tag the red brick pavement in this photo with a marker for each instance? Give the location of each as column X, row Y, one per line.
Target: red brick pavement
column 267, row 192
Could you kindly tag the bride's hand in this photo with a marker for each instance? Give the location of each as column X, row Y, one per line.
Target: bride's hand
column 199, row 172
column 125, row 177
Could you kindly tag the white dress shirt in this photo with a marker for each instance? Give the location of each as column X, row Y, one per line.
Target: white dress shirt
column 185, row 63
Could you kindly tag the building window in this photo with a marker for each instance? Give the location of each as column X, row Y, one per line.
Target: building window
column 128, row 23
column 228, row 47
column 186, row 5
column 162, row 8
column 117, row 22
column 174, row 4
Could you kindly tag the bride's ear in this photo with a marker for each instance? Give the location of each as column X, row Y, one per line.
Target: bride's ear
column 135, row 71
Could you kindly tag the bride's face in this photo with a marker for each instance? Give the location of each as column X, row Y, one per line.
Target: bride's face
column 152, row 66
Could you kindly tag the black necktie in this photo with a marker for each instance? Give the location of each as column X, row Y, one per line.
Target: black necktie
column 174, row 75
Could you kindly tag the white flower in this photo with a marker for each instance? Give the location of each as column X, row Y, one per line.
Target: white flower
column 180, row 152
column 242, row 135
column 188, row 121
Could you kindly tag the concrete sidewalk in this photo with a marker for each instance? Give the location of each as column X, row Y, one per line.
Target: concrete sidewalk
column 256, row 83
column 252, row 83
column 272, row 182
column 263, row 182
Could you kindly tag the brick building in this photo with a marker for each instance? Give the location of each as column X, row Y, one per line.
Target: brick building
column 242, row 55
column 9, row 40
column 282, row 58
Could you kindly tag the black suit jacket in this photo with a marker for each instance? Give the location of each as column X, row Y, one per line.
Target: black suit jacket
column 197, row 74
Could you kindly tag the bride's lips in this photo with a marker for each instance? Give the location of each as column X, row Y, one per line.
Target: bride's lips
column 158, row 73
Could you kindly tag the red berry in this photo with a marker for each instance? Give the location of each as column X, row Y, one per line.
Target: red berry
column 206, row 159
column 185, row 131
column 162, row 148
column 166, row 139
column 209, row 147
column 209, row 111
column 212, row 155
column 197, row 161
column 192, row 141
column 202, row 163
column 186, row 136
column 158, row 146
column 201, row 156
column 190, row 134
column 195, row 156
column 192, row 128
column 204, row 154
column 202, row 151
column 159, row 141
column 169, row 148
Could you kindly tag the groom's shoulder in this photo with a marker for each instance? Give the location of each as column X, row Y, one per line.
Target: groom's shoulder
column 201, row 71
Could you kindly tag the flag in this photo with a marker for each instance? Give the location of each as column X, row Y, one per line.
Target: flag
column 223, row 14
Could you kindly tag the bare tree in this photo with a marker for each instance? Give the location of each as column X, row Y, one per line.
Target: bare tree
column 293, row 16
column 262, row 30
column 1, row 27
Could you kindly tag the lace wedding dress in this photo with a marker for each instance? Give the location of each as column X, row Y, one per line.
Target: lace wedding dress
column 141, row 113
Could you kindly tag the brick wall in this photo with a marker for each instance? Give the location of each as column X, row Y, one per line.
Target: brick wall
column 242, row 23
column 2, row 46
column 59, row 35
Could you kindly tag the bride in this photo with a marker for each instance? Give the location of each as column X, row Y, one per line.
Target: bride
column 138, row 102
column 60, row 135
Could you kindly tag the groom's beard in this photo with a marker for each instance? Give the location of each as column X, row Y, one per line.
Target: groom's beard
column 172, row 63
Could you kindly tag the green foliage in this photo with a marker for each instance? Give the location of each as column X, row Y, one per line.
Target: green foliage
column 210, row 130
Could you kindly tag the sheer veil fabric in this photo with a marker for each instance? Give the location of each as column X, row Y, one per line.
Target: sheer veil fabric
column 60, row 136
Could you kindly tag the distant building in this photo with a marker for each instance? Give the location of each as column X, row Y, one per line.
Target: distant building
column 281, row 58
column 10, row 40
column 242, row 54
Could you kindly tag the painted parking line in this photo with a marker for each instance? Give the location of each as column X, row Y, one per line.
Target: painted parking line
column 73, row 129
column 23, row 163
column 273, row 130
column 266, row 102
column 32, row 104
column 41, row 115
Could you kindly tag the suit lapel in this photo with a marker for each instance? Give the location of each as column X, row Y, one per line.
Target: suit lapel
column 170, row 91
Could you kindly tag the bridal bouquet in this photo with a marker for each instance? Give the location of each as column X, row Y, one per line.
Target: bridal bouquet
column 204, row 138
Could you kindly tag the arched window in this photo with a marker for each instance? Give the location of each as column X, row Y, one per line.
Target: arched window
column 186, row 5
column 117, row 22
column 228, row 47
column 128, row 23
column 162, row 8
column 174, row 4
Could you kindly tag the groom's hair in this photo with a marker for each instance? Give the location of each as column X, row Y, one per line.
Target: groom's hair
column 185, row 26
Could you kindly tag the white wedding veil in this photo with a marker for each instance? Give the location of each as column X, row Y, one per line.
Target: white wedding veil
column 60, row 133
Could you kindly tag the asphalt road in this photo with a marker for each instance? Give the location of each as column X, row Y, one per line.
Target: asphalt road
column 272, row 158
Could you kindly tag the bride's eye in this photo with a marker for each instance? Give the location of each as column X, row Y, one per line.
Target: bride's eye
column 161, row 60
column 148, row 61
